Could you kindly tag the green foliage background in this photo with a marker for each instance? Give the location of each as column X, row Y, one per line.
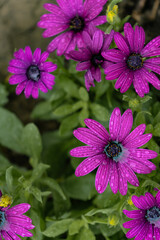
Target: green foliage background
column 65, row 207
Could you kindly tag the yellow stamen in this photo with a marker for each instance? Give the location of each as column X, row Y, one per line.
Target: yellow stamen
column 129, row 200
column 5, row 201
column 112, row 13
column 112, row 220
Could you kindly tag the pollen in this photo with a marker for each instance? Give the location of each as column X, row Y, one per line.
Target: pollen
column 5, row 201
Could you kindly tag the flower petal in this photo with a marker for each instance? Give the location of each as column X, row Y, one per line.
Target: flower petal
column 114, row 124
column 20, row 231
column 86, row 136
column 28, row 88
column 89, row 81
column 99, row 20
column 122, row 79
column 151, row 46
column 138, row 166
column 129, row 34
column 114, row 184
column 16, row 70
column 18, row 63
column 107, row 40
column 102, row 176
column 19, row 209
column 121, row 43
column 151, row 78
column 139, row 39
column 28, row 54
column 122, row 182
column 54, row 30
column 129, row 174
column 134, row 231
column 138, row 203
column 20, row 87
column 114, row 55
column 115, row 70
column 153, row 67
column 138, row 131
column 139, row 141
column 81, row 55
column 98, row 129
column 143, row 232
column 44, row 57
column 54, row 43
column 17, row 78
column 143, row 153
column 89, row 164
column 126, row 125
column 127, row 82
column 132, row 223
column 97, row 42
column 150, row 199
column 64, row 43
column 96, row 73
column 37, row 55
column 81, row 66
column 85, row 151
column 134, row 213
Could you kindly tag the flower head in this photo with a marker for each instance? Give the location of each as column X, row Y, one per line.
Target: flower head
column 13, row 222
column 146, row 220
column 117, row 155
column 131, row 62
column 89, row 57
column 31, row 72
column 68, row 20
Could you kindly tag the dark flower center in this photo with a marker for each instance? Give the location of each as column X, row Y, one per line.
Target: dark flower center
column 33, row 73
column 77, row 24
column 135, row 61
column 153, row 214
column 2, row 218
column 113, row 150
column 97, row 59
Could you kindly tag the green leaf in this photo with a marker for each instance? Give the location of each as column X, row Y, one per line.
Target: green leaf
column 152, row 145
column 83, row 94
column 67, row 109
column 39, row 171
column 68, row 85
column 95, row 219
column 41, row 110
column 31, row 142
column 83, row 115
column 3, row 95
column 4, row 163
column 100, row 112
column 145, row 99
column 36, row 193
column 76, row 226
column 69, row 123
column 106, row 199
column 108, row 231
column 156, row 131
column 58, row 228
column 53, row 185
column 106, row 211
column 150, row 183
column 80, row 188
column 85, row 234
column 149, row 128
column 10, row 130
column 37, row 220
column 140, row 118
column 9, row 179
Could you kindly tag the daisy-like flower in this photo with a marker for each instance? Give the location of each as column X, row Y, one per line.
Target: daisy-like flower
column 68, row 21
column 131, row 62
column 31, row 72
column 13, row 222
column 90, row 57
column 117, row 155
column 146, row 220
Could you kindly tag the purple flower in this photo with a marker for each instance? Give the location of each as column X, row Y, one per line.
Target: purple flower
column 31, row 72
column 131, row 62
column 146, row 223
column 90, row 57
column 68, row 21
column 13, row 222
column 117, row 155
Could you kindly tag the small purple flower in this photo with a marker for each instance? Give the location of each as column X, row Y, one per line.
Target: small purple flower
column 146, row 220
column 68, row 21
column 13, row 222
column 31, row 72
column 90, row 57
column 132, row 62
column 117, row 155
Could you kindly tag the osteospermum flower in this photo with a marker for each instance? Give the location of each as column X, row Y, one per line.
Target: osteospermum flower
column 117, row 155
column 131, row 62
column 13, row 222
column 90, row 58
column 31, row 72
column 146, row 220
column 68, row 21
